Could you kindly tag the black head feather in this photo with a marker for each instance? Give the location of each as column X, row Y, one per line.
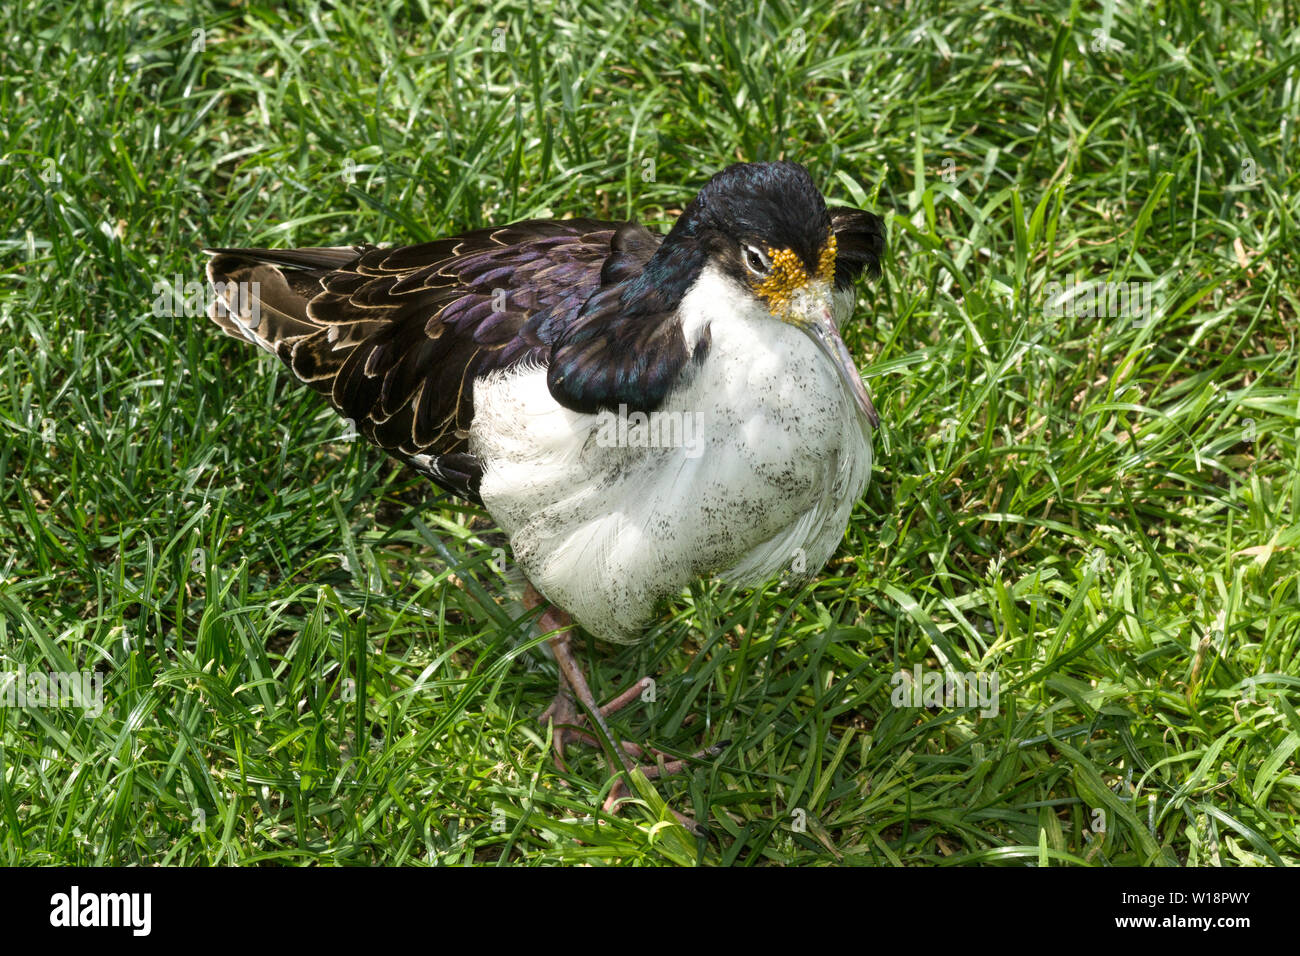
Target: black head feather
column 765, row 204
column 860, row 244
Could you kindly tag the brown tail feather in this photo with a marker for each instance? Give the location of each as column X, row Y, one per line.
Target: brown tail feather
column 312, row 258
column 262, row 294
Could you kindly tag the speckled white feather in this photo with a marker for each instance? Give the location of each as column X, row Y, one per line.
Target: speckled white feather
column 764, row 485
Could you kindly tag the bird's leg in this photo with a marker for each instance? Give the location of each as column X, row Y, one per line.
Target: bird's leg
column 565, row 718
column 562, row 712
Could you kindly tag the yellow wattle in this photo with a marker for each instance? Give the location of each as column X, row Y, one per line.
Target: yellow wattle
column 788, row 274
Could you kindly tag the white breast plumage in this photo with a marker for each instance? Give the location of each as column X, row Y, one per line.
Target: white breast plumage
column 750, row 468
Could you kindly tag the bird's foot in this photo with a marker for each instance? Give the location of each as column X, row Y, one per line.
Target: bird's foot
column 567, row 721
column 566, row 728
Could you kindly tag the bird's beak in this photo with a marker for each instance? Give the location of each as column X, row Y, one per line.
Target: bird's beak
column 812, row 313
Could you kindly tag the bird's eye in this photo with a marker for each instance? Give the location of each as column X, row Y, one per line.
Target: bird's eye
column 756, row 261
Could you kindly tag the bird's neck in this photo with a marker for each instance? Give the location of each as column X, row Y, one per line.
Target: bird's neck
column 665, row 280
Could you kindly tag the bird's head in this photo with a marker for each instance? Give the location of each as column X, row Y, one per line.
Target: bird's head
column 767, row 226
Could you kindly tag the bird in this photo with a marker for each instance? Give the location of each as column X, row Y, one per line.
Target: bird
column 634, row 410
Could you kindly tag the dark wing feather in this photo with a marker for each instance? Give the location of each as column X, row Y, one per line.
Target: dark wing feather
column 625, row 347
column 395, row 338
column 860, row 243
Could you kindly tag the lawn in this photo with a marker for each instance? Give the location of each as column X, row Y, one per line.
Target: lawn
column 1086, row 499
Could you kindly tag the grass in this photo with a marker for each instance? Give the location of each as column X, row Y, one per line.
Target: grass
column 307, row 658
